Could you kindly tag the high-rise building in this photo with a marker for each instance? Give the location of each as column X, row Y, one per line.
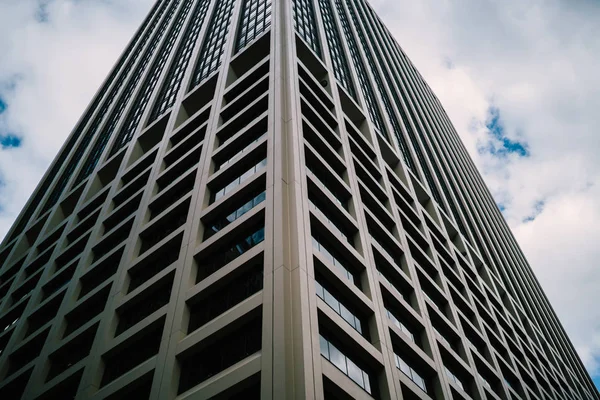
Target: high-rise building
column 265, row 200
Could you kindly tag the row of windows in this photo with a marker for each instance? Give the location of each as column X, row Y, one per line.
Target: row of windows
column 143, row 97
column 334, row 260
column 330, row 223
column 256, row 19
column 173, row 80
column 400, row 325
column 339, row 308
column 222, row 353
column 223, row 222
column 345, row 364
column 221, row 257
column 235, row 156
column 222, row 299
column 229, row 187
column 214, row 43
column 410, row 372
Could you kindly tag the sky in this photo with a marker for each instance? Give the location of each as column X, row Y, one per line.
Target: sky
column 517, row 77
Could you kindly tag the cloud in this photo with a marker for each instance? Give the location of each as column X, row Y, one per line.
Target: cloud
column 55, row 55
column 519, row 81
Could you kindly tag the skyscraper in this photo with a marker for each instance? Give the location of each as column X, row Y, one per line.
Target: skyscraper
column 265, row 200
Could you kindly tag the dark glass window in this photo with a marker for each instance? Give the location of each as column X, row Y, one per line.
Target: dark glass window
column 172, row 83
column 143, row 97
column 222, row 222
column 306, row 25
column 222, row 191
column 345, row 364
column 214, row 44
column 332, row 300
column 220, row 355
column 400, row 325
column 224, row 298
column 91, row 132
column 221, row 257
column 332, row 224
column 335, row 259
column 94, row 156
column 256, row 18
column 235, row 156
column 410, row 373
column 336, row 50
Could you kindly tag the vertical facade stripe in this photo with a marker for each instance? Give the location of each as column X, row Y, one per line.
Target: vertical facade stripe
column 139, row 106
column 115, row 116
column 214, row 45
column 256, row 19
column 306, row 25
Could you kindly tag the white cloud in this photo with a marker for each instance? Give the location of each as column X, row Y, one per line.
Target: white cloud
column 536, row 61
column 49, row 72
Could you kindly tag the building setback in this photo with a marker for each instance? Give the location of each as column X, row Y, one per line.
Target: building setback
column 266, row 200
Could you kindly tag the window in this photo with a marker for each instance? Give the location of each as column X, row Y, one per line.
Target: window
column 214, row 44
column 333, row 302
column 410, row 372
column 228, row 188
column 453, row 378
column 234, row 156
column 334, row 260
column 345, row 364
column 337, row 196
column 306, row 26
column 144, row 304
column 224, row 298
column 132, row 352
column 221, row 223
column 256, row 18
column 330, row 222
column 219, row 355
column 400, row 325
column 223, row 256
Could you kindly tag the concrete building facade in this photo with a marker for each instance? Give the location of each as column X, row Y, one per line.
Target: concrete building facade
column 266, row 200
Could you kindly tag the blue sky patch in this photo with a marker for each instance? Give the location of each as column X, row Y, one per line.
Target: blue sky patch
column 41, row 13
column 507, row 146
column 7, row 141
column 2, row 105
column 538, row 207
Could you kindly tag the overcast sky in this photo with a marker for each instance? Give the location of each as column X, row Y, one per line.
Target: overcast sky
column 518, row 78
